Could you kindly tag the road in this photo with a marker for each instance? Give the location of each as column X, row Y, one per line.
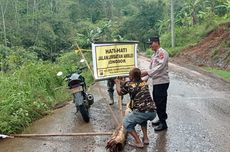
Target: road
column 199, row 120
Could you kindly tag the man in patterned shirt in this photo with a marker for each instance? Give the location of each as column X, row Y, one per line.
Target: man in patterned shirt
column 142, row 105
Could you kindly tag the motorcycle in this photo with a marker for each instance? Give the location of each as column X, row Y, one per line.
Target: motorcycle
column 77, row 86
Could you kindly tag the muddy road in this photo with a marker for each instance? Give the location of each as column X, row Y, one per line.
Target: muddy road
column 199, row 120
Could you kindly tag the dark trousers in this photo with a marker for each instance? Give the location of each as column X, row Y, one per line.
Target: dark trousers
column 110, row 85
column 160, row 98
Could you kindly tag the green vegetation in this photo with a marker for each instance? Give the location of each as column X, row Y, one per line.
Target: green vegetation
column 28, row 94
column 222, row 73
column 189, row 36
column 31, row 89
column 38, row 39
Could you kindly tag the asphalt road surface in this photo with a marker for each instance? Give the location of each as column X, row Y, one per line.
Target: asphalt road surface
column 198, row 120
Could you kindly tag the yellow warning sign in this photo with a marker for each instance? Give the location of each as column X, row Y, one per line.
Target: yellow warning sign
column 114, row 59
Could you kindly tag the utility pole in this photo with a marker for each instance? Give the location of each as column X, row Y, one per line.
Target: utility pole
column 172, row 24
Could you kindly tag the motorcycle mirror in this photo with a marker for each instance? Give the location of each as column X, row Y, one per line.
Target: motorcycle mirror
column 59, row 73
column 82, row 60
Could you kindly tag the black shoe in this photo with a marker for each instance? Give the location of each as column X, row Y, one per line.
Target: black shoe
column 123, row 104
column 160, row 127
column 111, row 102
column 156, row 123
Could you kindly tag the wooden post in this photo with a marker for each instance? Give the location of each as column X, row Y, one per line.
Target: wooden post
column 62, row 134
column 117, row 141
column 85, row 59
column 120, row 107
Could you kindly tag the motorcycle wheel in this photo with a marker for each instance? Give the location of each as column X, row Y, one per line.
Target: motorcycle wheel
column 84, row 113
column 81, row 106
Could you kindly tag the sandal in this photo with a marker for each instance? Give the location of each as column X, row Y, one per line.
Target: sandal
column 140, row 145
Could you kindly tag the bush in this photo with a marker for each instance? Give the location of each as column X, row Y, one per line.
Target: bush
column 14, row 58
column 31, row 90
column 70, row 62
column 28, row 94
column 149, row 52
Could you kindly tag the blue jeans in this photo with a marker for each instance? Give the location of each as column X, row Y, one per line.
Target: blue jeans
column 135, row 117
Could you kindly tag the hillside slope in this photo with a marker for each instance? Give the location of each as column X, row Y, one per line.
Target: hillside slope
column 213, row 50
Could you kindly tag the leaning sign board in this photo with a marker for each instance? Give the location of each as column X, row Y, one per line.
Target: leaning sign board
column 112, row 59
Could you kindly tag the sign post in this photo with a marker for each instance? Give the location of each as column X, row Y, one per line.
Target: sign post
column 112, row 59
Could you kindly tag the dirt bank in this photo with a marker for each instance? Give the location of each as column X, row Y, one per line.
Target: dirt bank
column 213, row 50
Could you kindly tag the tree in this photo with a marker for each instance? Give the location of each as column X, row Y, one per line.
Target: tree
column 3, row 12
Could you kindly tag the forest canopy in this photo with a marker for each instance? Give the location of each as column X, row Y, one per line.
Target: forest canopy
column 47, row 28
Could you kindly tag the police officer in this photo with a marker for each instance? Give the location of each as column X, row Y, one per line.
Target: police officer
column 158, row 71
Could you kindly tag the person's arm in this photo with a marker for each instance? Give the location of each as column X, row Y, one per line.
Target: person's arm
column 145, row 78
column 144, row 73
column 118, row 86
column 121, row 87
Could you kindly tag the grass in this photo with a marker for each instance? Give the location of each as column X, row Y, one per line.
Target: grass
column 222, row 73
column 28, row 94
column 32, row 91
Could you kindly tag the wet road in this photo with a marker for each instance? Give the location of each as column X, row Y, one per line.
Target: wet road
column 199, row 120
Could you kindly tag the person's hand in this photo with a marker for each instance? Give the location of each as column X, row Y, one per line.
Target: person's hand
column 117, row 80
column 145, row 78
column 144, row 73
column 143, row 70
column 127, row 79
